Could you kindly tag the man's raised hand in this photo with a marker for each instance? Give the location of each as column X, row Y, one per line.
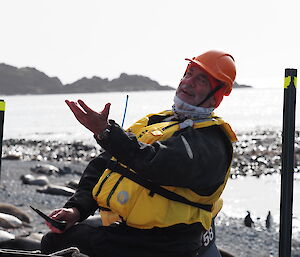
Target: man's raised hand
column 96, row 122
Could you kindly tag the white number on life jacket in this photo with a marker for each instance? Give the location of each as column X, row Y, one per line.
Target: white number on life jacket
column 208, row 236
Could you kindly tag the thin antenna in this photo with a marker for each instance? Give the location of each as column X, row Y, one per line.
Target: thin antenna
column 125, row 110
column 2, row 110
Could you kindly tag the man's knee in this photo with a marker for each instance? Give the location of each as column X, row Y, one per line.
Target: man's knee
column 49, row 243
column 77, row 236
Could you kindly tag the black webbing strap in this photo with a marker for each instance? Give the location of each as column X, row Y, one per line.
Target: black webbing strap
column 154, row 188
column 211, row 93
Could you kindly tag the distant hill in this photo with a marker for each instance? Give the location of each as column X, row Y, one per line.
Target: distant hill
column 26, row 81
column 19, row 81
column 236, row 85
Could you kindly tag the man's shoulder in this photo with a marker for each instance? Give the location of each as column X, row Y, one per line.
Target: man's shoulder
column 211, row 135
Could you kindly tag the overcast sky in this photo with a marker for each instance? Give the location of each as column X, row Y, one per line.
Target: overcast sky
column 72, row 39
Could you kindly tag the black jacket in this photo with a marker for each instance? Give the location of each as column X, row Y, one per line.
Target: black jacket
column 164, row 162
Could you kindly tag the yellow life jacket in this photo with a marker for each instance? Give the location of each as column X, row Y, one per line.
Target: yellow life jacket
column 133, row 202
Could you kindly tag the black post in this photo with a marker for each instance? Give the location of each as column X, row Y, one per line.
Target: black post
column 2, row 110
column 287, row 172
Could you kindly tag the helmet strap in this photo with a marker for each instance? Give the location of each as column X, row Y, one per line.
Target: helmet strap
column 211, row 93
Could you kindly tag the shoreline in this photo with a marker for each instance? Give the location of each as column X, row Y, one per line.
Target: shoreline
column 256, row 153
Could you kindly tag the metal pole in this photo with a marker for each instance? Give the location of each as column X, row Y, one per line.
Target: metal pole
column 287, row 172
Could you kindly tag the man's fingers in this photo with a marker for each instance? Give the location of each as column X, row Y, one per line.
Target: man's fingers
column 54, row 212
column 84, row 106
column 79, row 114
column 105, row 111
column 54, row 229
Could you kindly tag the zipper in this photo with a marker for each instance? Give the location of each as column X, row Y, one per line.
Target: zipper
column 103, row 181
column 113, row 190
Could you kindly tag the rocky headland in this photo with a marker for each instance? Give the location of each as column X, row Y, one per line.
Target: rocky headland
column 27, row 80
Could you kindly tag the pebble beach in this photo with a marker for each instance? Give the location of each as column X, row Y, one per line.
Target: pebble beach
column 257, row 153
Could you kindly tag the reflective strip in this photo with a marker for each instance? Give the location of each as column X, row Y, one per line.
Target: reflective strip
column 287, row 81
column 187, row 147
column 2, row 106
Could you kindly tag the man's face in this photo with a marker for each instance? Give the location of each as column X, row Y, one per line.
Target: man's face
column 194, row 87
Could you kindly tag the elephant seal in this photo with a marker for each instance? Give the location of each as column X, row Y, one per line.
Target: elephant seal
column 65, row 170
column 4, row 236
column 56, row 190
column 31, row 180
column 46, row 169
column 15, row 211
column 12, row 156
column 9, row 221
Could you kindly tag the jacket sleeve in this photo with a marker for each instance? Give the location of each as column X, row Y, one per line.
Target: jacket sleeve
column 193, row 158
column 83, row 199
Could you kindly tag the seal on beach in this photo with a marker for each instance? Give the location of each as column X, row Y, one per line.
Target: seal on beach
column 29, row 179
column 73, row 184
column 56, row 190
column 12, row 156
column 65, row 170
column 10, row 221
column 4, row 236
column 15, row 211
column 248, row 220
column 46, row 169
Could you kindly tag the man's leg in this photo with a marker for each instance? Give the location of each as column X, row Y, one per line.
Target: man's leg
column 77, row 236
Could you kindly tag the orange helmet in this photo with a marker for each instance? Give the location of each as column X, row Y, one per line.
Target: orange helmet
column 219, row 65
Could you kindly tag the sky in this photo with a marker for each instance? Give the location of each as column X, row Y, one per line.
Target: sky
column 71, row 39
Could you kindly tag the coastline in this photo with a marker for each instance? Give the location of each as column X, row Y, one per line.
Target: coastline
column 256, row 155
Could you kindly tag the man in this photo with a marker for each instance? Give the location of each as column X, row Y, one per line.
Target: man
column 158, row 184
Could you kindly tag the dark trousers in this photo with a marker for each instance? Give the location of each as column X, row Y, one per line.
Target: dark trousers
column 124, row 241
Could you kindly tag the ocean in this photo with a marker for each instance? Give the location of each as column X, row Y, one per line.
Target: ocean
column 48, row 117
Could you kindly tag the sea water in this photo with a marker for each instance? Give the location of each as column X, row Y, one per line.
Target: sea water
column 48, row 117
